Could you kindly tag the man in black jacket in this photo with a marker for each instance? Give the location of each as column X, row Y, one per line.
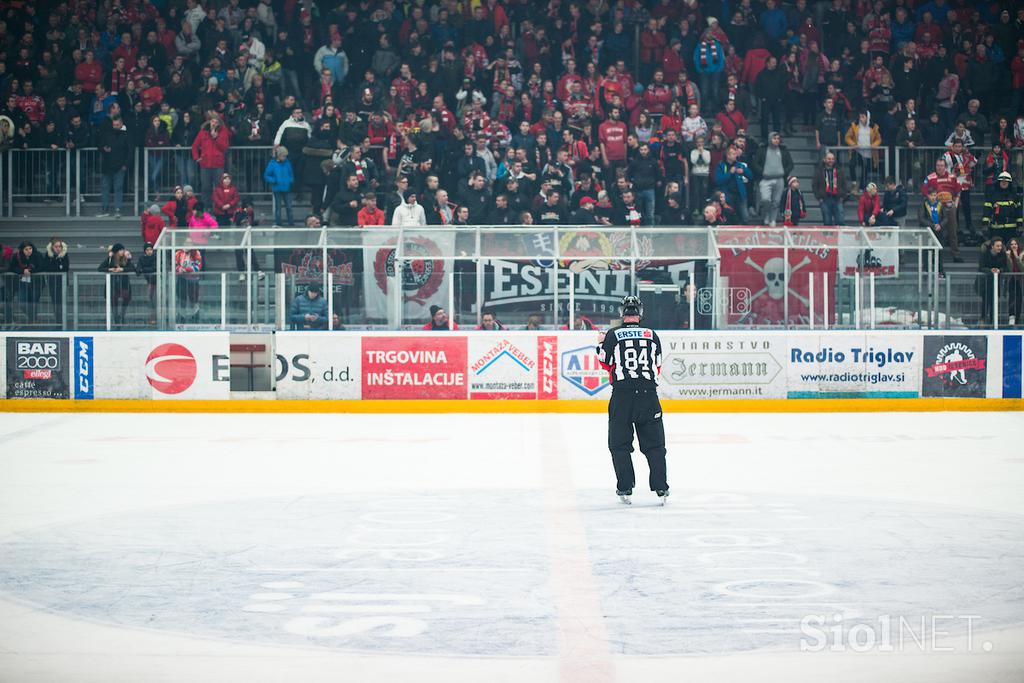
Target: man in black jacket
column 477, row 198
column 771, row 88
column 644, row 171
column 347, row 202
column 552, row 211
column 894, row 203
column 116, row 149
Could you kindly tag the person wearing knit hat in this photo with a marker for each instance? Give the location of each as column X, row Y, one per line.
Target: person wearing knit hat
column 152, row 224
column 439, row 320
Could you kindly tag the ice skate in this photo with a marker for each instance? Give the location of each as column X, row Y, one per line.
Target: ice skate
column 624, row 496
column 662, row 497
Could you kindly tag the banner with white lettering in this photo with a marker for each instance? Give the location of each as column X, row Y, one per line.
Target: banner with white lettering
column 515, row 289
column 414, row 366
column 37, row 367
column 425, row 274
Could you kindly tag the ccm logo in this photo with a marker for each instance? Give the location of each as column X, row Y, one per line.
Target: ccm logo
column 548, row 364
column 171, row 368
column 84, row 373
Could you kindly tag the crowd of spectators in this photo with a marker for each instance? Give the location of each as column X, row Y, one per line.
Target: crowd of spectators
column 491, row 112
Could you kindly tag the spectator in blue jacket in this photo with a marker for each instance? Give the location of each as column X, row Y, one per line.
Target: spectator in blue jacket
column 709, row 60
column 773, row 21
column 733, row 177
column 309, row 311
column 279, row 176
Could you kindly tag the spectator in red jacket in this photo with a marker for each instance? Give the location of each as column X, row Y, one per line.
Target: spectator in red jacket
column 89, row 73
column 226, row 200
column 869, row 206
column 208, row 149
column 179, row 208
column 732, row 119
column 657, row 96
column 652, row 48
column 370, row 214
column 152, row 225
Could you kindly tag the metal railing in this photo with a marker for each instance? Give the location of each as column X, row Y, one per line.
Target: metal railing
column 563, row 277
column 165, row 167
column 864, row 165
column 72, row 180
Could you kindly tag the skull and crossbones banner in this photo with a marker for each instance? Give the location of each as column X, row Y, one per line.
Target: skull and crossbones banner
column 759, row 286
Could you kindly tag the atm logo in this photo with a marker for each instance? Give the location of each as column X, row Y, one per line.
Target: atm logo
column 579, row 367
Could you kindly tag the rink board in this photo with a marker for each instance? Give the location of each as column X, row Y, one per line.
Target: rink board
column 516, row 371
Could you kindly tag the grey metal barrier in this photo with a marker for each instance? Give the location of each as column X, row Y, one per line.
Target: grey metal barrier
column 112, row 192
column 864, row 165
column 35, row 302
column 163, row 168
column 38, row 175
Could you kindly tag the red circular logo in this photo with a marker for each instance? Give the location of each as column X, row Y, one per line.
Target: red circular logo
column 171, row 368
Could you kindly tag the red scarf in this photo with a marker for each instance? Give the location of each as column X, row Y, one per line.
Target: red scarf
column 704, row 48
column 831, row 186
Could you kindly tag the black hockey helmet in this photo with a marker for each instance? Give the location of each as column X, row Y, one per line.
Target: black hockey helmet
column 631, row 305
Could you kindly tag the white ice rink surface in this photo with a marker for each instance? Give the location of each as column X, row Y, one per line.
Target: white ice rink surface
column 492, row 548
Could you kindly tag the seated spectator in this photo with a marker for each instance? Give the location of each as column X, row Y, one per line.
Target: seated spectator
column 894, row 203
column 439, row 320
column 370, row 214
column 309, row 311
column 489, row 323
column 870, row 205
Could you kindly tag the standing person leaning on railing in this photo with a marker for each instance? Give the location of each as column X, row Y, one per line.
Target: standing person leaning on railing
column 993, row 261
column 119, row 264
column 24, row 264
column 56, row 262
column 208, row 150
column 1015, row 281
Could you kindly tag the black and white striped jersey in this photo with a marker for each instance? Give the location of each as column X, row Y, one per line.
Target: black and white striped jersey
column 632, row 354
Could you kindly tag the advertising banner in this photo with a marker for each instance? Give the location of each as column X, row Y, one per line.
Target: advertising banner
column 579, row 373
column 37, row 367
column 162, row 366
column 840, row 365
column 414, row 366
column 955, row 366
column 884, row 263
column 547, row 367
column 424, row 278
column 84, row 362
column 1013, row 360
column 724, row 365
column 313, row 365
column 503, row 366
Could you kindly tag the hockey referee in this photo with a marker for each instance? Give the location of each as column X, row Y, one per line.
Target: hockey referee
column 632, row 355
